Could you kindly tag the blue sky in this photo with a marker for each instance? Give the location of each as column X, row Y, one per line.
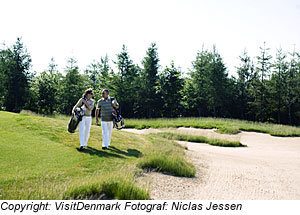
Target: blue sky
column 90, row 29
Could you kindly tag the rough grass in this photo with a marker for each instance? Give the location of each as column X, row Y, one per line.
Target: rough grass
column 229, row 126
column 228, row 130
column 200, row 139
column 168, row 157
column 39, row 160
column 111, row 187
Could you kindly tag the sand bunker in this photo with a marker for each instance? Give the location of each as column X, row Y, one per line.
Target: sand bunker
column 269, row 168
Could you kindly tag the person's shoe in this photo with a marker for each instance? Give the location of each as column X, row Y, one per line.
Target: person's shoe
column 81, row 148
column 104, row 148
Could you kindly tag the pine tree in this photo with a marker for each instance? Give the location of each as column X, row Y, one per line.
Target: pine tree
column 278, row 79
column 210, row 82
column 243, row 84
column 15, row 66
column 261, row 95
column 99, row 74
column 3, row 68
column 124, row 82
column 47, row 84
column 170, row 89
column 198, row 88
column 72, row 87
column 106, row 73
column 148, row 99
column 93, row 74
column 219, row 88
column 292, row 86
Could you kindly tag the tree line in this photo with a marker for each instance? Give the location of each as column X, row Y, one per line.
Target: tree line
column 266, row 88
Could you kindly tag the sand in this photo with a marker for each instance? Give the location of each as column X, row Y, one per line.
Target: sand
column 269, row 168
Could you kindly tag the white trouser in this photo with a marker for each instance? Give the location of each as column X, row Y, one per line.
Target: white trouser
column 84, row 130
column 107, row 128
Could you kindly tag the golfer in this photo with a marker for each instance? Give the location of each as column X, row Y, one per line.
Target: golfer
column 87, row 104
column 105, row 106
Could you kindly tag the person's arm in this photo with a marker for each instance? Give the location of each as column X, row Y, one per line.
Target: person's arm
column 78, row 104
column 116, row 104
column 98, row 109
column 96, row 115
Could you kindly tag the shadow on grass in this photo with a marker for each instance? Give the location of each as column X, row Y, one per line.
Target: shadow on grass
column 100, row 153
column 130, row 152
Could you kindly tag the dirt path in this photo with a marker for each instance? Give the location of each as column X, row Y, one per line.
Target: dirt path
column 269, row 168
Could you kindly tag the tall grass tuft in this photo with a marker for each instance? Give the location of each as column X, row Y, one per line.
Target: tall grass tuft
column 168, row 157
column 112, row 187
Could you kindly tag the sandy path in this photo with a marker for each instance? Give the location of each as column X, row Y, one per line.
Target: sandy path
column 269, row 168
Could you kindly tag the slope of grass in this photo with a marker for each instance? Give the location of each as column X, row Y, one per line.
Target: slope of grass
column 230, row 126
column 39, row 160
column 200, row 139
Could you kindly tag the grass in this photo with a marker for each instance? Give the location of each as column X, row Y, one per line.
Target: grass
column 228, row 130
column 200, row 139
column 166, row 156
column 39, row 160
column 223, row 125
column 112, row 187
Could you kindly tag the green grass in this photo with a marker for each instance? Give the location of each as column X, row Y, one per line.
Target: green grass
column 112, row 187
column 230, row 126
column 39, row 160
column 200, row 139
column 228, row 130
column 166, row 156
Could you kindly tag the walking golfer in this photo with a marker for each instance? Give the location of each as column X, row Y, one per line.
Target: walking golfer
column 87, row 104
column 105, row 106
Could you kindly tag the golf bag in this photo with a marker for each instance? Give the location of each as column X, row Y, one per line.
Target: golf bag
column 75, row 119
column 118, row 120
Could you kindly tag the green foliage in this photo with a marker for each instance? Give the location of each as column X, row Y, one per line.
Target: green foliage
column 47, row 84
column 246, row 77
column 126, row 83
column 260, row 92
column 170, row 90
column 100, row 76
column 209, row 84
column 148, row 100
column 266, row 90
column 278, row 83
column 72, row 87
column 15, row 63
